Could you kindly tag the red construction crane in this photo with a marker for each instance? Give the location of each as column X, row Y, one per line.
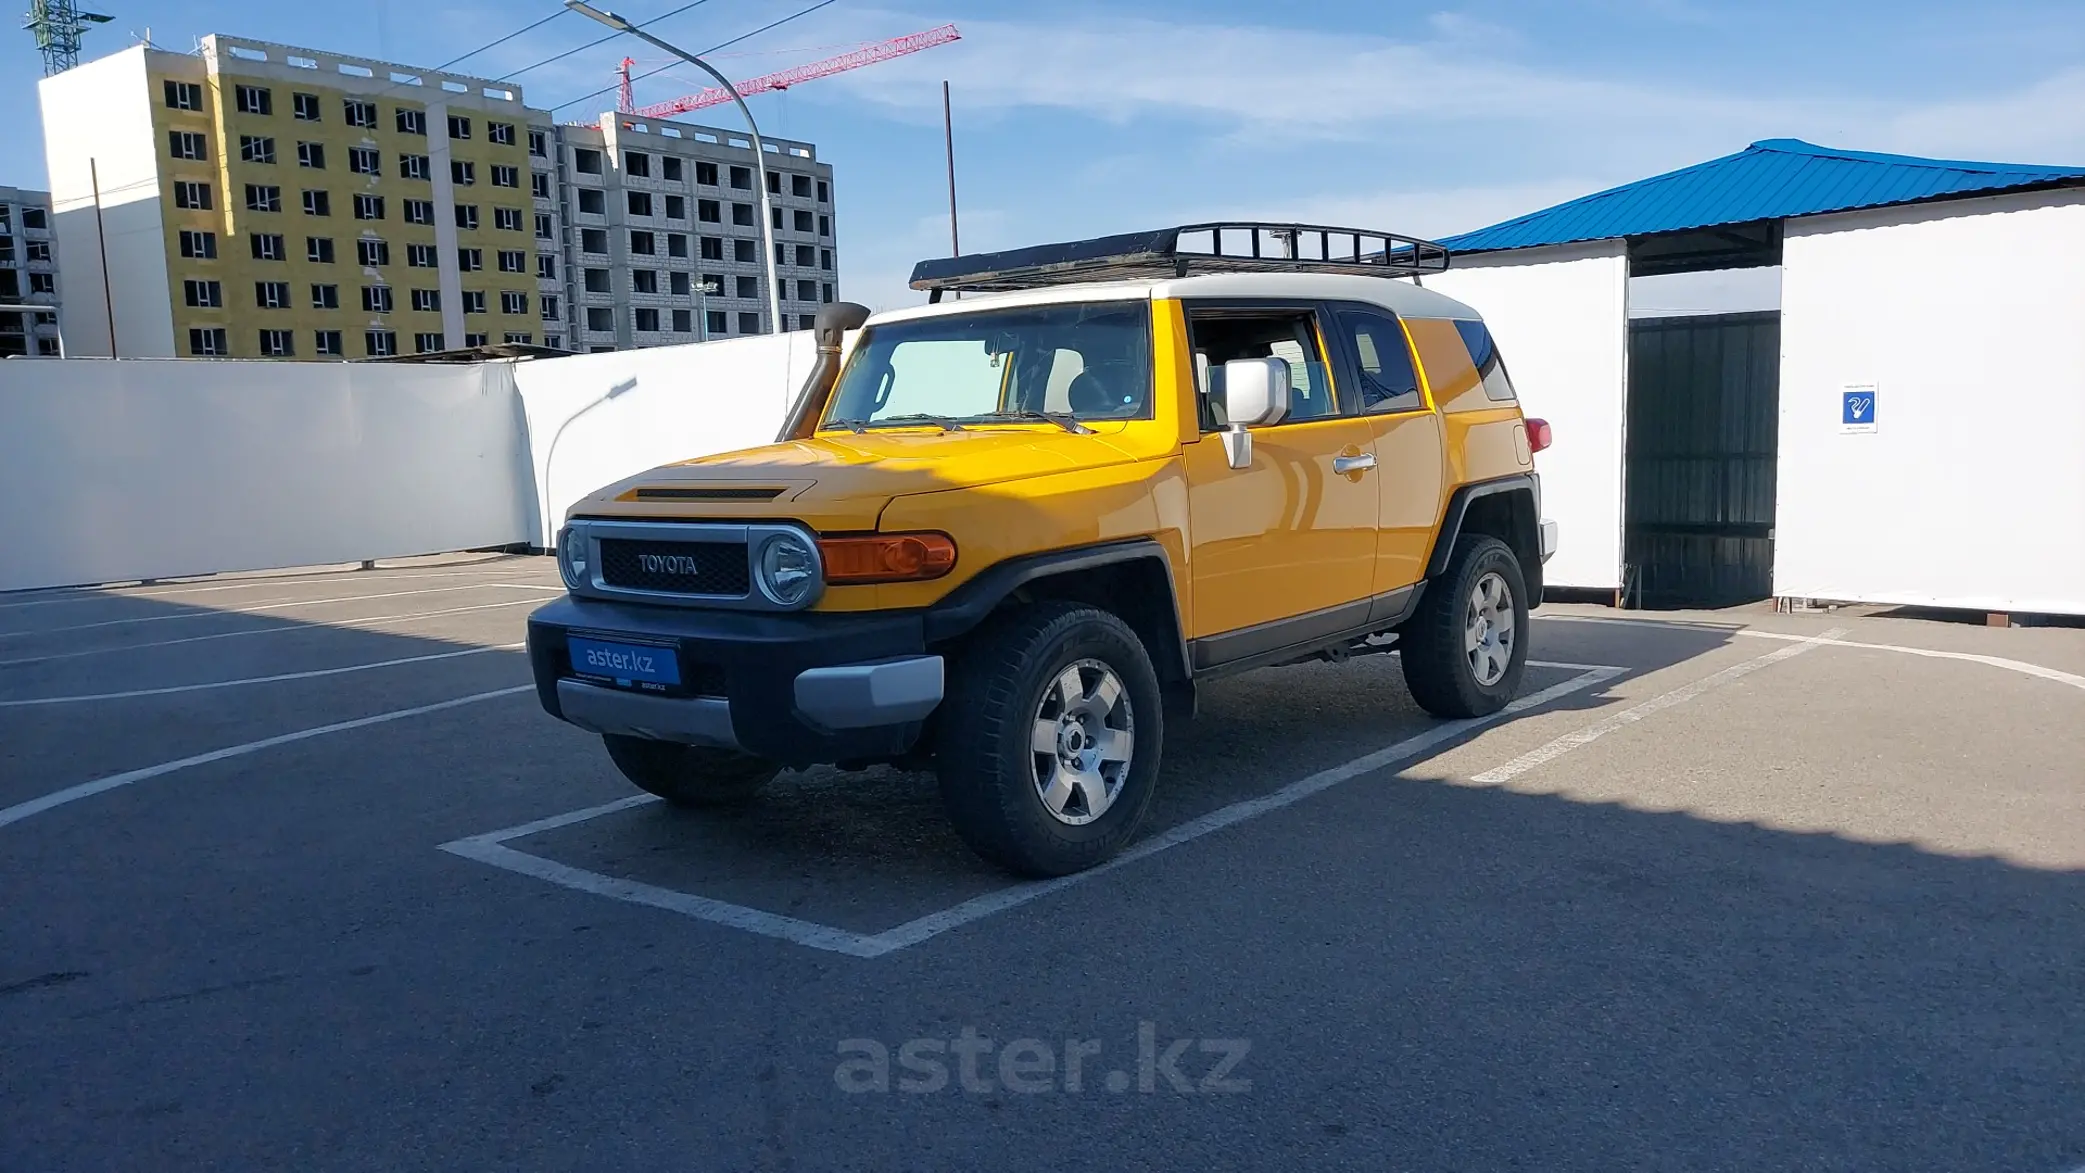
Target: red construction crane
column 716, row 95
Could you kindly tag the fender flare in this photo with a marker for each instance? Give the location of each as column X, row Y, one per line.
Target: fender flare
column 1459, row 506
column 968, row 605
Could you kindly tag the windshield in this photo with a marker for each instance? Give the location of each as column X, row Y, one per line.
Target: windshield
column 1071, row 362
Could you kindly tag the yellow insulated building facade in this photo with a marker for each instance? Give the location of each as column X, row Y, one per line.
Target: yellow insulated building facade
column 262, row 201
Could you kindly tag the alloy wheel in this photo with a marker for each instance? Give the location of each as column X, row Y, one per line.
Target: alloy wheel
column 1084, row 736
column 1487, row 629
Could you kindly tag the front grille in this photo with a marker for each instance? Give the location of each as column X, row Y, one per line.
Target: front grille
column 701, row 679
column 681, row 568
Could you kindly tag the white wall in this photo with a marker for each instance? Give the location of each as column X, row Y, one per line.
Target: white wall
column 1970, row 318
column 1560, row 316
column 97, row 127
column 121, row 470
column 151, row 469
column 594, row 419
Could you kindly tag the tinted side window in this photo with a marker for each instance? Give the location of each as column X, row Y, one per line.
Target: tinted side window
column 1218, row 336
column 1388, row 381
column 1485, row 354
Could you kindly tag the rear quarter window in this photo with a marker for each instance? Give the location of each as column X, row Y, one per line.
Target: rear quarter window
column 1484, row 354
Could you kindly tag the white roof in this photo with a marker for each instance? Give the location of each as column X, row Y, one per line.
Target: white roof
column 1399, row 296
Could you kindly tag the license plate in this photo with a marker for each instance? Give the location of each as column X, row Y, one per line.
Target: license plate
column 625, row 664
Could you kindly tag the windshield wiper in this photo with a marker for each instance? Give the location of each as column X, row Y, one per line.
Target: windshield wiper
column 854, row 426
column 906, row 421
column 1065, row 420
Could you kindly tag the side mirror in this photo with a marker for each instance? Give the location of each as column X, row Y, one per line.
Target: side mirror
column 1255, row 392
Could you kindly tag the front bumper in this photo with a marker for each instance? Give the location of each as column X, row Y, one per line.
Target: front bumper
column 799, row 689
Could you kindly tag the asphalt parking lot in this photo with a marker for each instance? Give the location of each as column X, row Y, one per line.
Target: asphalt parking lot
column 298, row 875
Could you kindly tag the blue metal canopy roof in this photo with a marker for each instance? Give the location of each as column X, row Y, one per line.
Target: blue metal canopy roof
column 1769, row 180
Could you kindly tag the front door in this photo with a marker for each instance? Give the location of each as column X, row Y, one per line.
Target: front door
column 1284, row 550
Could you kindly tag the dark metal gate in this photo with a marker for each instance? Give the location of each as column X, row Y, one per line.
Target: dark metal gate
column 1704, row 399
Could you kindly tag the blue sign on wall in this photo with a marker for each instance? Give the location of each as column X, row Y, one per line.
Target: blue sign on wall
column 1857, row 407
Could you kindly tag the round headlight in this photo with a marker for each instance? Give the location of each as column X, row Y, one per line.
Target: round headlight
column 571, row 557
column 788, row 569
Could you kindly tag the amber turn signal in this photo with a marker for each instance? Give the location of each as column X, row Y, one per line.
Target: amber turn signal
column 887, row 558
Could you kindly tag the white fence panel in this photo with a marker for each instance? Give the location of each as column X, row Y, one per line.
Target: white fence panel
column 1969, row 320
column 1561, row 318
column 155, row 468
column 594, row 419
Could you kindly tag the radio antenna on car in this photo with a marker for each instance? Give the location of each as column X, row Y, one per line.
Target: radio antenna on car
column 1222, row 247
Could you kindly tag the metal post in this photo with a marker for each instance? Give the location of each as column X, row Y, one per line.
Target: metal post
column 101, row 246
column 948, row 132
column 702, row 308
column 767, row 214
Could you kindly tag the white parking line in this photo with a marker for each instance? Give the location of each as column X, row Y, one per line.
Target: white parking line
column 2021, row 666
column 277, row 629
column 276, row 679
column 490, row 847
column 58, row 798
column 1634, row 713
column 103, row 594
column 279, row 605
column 1682, row 624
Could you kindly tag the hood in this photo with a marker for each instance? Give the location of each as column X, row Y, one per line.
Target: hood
column 841, row 481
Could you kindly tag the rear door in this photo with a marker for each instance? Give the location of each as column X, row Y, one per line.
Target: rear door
column 1405, row 434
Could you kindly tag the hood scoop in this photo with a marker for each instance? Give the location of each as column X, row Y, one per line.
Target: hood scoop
column 705, row 493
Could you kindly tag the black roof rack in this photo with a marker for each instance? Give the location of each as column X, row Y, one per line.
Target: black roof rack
column 1225, row 247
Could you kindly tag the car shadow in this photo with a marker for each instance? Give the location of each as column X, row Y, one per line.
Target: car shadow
column 867, row 850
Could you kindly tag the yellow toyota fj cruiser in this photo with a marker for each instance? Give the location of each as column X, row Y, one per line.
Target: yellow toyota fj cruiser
column 1004, row 532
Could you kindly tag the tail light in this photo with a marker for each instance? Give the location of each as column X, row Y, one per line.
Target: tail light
column 1538, row 435
column 886, row 558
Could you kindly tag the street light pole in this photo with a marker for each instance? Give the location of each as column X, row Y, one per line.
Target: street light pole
column 767, row 213
column 703, row 289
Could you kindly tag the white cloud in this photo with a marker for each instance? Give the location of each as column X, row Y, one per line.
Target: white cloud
column 1301, row 82
column 1461, row 77
column 2042, row 123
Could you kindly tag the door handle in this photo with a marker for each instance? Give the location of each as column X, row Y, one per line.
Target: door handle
column 1360, row 462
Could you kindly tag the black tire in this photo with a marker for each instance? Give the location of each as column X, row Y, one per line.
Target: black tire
column 1000, row 684
column 692, row 776
column 1437, row 661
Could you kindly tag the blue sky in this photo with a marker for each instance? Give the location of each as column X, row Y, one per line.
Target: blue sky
column 1081, row 117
